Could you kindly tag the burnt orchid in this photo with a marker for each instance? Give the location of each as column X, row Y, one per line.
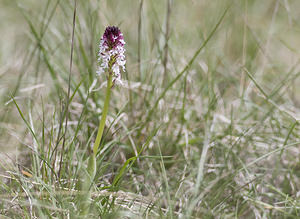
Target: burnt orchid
column 111, row 59
column 111, row 53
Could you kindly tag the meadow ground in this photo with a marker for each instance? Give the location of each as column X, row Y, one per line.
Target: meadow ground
column 206, row 124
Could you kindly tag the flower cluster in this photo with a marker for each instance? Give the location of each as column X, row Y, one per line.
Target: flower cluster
column 111, row 53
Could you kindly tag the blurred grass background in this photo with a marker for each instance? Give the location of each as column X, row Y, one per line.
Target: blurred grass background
column 219, row 129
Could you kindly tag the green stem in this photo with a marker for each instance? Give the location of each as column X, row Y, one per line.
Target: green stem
column 104, row 114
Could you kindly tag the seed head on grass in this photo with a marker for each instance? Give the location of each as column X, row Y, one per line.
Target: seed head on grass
column 111, row 53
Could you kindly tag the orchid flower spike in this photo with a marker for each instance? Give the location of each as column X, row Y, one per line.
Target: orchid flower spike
column 111, row 53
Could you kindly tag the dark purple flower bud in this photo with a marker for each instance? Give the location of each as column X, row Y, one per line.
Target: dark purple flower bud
column 113, row 37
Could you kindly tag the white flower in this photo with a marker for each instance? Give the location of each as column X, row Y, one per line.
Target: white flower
column 111, row 53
